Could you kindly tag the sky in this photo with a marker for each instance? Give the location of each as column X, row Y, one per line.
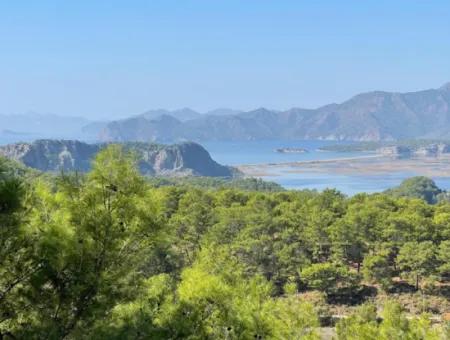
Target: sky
column 111, row 59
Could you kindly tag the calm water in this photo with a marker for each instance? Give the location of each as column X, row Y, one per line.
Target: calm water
column 263, row 152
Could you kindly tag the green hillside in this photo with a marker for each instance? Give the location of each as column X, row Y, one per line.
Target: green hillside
column 108, row 255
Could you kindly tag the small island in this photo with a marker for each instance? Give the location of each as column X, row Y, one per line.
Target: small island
column 291, row 150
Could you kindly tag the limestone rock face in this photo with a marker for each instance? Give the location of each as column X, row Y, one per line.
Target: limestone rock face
column 401, row 151
column 395, row 151
column 153, row 159
column 179, row 159
column 52, row 155
column 433, row 150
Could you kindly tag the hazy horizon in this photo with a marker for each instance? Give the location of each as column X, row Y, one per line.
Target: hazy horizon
column 237, row 110
column 116, row 59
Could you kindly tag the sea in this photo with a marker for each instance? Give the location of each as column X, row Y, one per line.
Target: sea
column 264, row 152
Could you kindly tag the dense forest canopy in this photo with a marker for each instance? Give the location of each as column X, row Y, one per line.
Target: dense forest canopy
column 112, row 255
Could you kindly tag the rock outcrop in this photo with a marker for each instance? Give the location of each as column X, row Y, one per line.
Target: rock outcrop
column 52, row 155
column 181, row 159
column 395, row 151
column 401, row 151
column 153, row 159
column 431, row 150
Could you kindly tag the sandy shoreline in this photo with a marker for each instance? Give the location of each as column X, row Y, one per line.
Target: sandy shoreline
column 313, row 161
column 362, row 165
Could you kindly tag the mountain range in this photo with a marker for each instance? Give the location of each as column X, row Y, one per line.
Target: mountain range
column 371, row 116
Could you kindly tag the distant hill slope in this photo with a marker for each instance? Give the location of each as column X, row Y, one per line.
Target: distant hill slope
column 181, row 114
column 154, row 159
column 419, row 187
column 372, row 116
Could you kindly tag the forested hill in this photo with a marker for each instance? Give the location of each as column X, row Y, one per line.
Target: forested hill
column 109, row 255
column 371, row 116
column 154, row 159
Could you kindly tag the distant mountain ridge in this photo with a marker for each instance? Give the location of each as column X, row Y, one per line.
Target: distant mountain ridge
column 371, row 116
column 32, row 125
column 181, row 114
column 184, row 159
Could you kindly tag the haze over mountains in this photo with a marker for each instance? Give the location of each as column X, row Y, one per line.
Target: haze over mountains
column 32, row 125
column 372, row 116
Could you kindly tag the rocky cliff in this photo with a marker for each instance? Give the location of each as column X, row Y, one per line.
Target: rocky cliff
column 153, row 159
column 404, row 151
column 186, row 158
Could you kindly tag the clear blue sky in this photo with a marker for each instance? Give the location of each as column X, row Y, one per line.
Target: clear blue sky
column 116, row 58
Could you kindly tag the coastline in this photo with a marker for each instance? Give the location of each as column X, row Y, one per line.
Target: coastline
column 314, row 161
column 370, row 165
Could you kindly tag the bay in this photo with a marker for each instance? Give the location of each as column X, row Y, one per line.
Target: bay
column 264, row 152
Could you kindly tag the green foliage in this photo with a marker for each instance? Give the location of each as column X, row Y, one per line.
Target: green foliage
column 363, row 325
column 443, row 256
column 89, row 239
column 16, row 248
column 417, row 187
column 417, row 259
column 248, row 184
column 377, row 269
column 209, row 305
column 112, row 255
column 328, row 277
